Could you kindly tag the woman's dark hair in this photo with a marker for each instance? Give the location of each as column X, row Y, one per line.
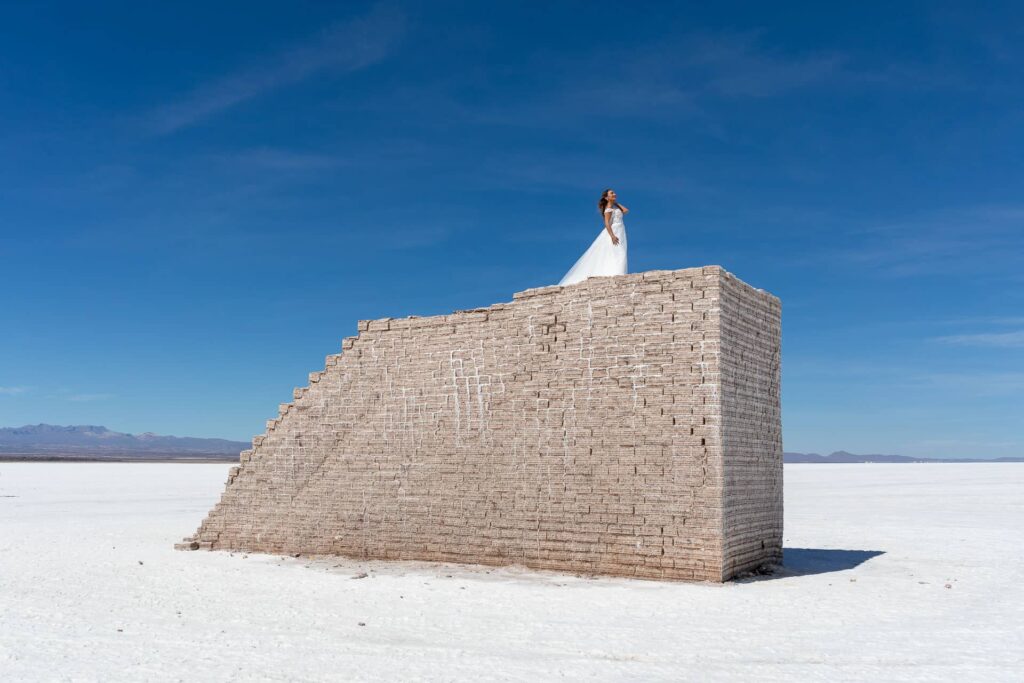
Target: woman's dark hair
column 602, row 203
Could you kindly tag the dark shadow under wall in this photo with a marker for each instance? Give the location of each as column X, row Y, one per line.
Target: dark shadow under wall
column 810, row 561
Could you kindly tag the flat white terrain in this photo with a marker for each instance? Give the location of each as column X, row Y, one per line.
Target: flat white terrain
column 894, row 572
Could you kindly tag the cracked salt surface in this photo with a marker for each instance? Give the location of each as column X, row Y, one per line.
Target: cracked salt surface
column 91, row 589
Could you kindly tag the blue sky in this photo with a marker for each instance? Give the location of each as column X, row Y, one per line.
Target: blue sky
column 199, row 200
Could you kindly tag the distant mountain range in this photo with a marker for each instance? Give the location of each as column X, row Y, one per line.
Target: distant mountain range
column 91, row 442
column 843, row 456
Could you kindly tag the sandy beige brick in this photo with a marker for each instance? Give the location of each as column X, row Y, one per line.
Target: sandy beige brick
column 625, row 425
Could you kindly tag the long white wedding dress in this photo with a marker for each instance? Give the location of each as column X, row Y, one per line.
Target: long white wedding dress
column 603, row 257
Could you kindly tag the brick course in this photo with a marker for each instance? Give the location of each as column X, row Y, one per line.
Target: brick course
column 625, row 425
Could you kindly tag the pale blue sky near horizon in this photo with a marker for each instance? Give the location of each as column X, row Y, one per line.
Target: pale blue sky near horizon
column 198, row 201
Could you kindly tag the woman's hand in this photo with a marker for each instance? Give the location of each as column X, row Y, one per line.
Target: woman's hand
column 615, row 240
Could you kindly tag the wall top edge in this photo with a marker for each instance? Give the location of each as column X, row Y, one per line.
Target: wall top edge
column 643, row 276
column 594, row 283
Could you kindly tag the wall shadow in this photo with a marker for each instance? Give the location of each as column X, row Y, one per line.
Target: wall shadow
column 806, row 561
column 810, row 561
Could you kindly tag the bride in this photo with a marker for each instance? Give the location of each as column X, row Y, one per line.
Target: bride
column 607, row 255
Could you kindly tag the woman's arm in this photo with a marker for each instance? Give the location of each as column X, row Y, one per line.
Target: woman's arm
column 608, row 226
column 623, row 207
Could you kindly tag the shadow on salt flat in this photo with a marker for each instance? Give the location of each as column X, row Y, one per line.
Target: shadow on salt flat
column 810, row 561
column 806, row 561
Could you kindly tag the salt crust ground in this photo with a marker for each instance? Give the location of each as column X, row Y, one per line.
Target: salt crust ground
column 90, row 589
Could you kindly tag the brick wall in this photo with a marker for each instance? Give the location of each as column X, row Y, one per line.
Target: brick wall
column 751, row 426
column 625, row 425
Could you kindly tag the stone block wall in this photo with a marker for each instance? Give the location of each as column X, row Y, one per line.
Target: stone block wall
column 625, row 425
column 750, row 347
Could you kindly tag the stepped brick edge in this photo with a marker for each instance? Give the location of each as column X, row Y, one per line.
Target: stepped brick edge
column 625, row 425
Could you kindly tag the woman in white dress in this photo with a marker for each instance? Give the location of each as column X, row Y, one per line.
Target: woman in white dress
column 607, row 255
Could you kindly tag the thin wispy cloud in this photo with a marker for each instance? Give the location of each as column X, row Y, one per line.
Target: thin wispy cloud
column 12, row 391
column 712, row 65
column 1001, row 320
column 279, row 159
column 979, row 239
column 86, row 398
column 343, row 47
column 966, row 444
column 1004, row 340
column 977, row 384
column 660, row 80
column 739, row 66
